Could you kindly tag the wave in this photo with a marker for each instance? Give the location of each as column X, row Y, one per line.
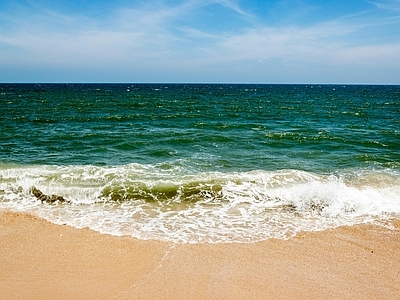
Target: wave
column 174, row 202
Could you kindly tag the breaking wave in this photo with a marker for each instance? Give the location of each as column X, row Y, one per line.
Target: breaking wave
column 171, row 202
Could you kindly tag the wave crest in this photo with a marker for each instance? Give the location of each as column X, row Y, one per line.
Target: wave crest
column 174, row 204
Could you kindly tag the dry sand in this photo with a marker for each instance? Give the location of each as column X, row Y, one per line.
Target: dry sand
column 40, row 260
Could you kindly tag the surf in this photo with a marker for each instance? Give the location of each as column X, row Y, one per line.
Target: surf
column 174, row 204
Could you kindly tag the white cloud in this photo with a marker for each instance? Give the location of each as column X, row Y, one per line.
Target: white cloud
column 314, row 43
column 375, row 55
column 387, row 5
column 150, row 38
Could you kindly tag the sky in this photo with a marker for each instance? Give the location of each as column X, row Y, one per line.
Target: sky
column 204, row 41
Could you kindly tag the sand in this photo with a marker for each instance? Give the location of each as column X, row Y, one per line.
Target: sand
column 40, row 260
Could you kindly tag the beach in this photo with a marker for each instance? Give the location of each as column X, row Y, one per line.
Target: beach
column 199, row 191
column 41, row 260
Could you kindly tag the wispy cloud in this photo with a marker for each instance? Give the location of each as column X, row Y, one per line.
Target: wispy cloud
column 127, row 34
column 164, row 39
column 324, row 42
column 235, row 7
column 387, row 5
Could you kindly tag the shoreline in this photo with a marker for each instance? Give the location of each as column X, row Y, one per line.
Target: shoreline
column 41, row 260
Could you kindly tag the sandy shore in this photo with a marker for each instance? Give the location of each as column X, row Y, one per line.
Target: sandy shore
column 40, row 260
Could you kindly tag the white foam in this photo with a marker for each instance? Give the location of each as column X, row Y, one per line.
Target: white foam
column 244, row 207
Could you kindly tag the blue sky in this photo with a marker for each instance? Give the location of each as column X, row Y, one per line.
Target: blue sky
column 270, row 41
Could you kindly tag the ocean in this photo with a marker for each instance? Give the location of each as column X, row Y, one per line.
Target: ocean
column 194, row 163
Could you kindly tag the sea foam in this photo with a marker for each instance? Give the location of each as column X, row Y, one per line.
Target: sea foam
column 175, row 204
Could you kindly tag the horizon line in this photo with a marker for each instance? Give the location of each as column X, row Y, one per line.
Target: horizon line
column 200, row 82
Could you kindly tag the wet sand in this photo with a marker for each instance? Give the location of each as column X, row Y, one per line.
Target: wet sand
column 40, row 260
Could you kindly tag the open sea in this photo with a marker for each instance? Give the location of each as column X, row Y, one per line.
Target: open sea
column 196, row 163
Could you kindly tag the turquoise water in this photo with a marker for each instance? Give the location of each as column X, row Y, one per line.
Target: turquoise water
column 202, row 162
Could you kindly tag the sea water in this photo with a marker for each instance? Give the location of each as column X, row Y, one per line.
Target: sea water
column 201, row 162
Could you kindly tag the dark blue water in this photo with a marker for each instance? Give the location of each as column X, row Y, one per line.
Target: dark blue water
column 232, row 127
